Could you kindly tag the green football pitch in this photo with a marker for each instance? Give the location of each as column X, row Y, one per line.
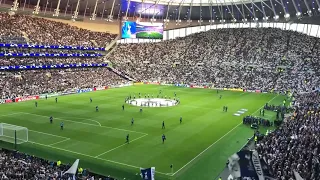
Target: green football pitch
column 198, row 148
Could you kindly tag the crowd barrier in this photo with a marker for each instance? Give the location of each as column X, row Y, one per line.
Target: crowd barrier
column 52, row 66
column 50, row 47
column 49, row 55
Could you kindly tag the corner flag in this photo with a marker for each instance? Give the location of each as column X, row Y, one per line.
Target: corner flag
column 148, row 173
column 73, row 169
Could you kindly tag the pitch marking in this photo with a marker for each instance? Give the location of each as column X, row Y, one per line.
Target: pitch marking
column 59, row 142
column 217, row 140
column 128, row 165
column 88, row 120
column 87, row 123
column 47, row 134
column 119, row 146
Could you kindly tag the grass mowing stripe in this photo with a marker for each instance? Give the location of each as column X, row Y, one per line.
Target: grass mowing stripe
column 87, row 123
column 9, row 114
column 119, row 146
column 61, row 149
column 219, row 139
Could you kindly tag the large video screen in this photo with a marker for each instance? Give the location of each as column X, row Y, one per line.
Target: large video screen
column 142, row 30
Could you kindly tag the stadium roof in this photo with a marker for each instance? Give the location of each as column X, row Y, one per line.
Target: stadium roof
column 197, row 2
column 218, row 11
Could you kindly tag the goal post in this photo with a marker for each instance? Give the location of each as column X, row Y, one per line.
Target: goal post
column 13, row 134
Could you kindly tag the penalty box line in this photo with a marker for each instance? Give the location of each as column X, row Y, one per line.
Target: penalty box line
column 87, row 123
column 64, row 138
column 73, row 152
column 119, row 146
column 218, row 140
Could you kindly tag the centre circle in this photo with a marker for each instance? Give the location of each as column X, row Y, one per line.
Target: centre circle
column 153, row 102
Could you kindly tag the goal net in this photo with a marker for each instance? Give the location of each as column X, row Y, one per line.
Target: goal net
column 13, row 134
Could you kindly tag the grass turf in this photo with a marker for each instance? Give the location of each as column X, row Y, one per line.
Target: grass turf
column 198, row 148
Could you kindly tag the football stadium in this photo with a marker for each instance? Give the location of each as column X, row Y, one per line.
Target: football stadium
column 159, row 90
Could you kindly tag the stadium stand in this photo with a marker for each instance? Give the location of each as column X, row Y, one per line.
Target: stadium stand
column 263, row 58
column 16, row 166
column 22, row 83
column 40, row 31
column 295, row 144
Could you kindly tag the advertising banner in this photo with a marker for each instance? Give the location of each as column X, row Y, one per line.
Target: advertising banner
column 100, row 88
column 152, row 82
column 84, row 90
column 26, row 98
column 182, row 85
column 197, row 86
column 166, row 84
column 8, row 101
column 50, row 95
column 138, row 83
column 69, row 91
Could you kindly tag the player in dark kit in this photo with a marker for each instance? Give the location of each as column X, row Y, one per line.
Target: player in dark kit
column 180, row 120
column 46, row 97
column 61, row 125
column 140, row 110
column 97, row 109
column 132, row 121
column 90, row 100
column 122, row 106
column 36, row 104
column 127, row 139
column 51, row 119
column 220, row 96
column 163, row 138
column 163, row 126
column 56, row 99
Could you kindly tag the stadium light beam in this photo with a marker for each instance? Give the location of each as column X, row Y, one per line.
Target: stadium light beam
column 110, row 17
column 57, row 10
column 76, row 12
column 14, row 7
column 36, row 8
column 94, row 14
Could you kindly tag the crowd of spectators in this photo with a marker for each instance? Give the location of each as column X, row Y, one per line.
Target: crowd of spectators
column 19, row 166
column 254, row 58
column 46, row 32
column 295, row 144
column 267, row 59
column 33, row 82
